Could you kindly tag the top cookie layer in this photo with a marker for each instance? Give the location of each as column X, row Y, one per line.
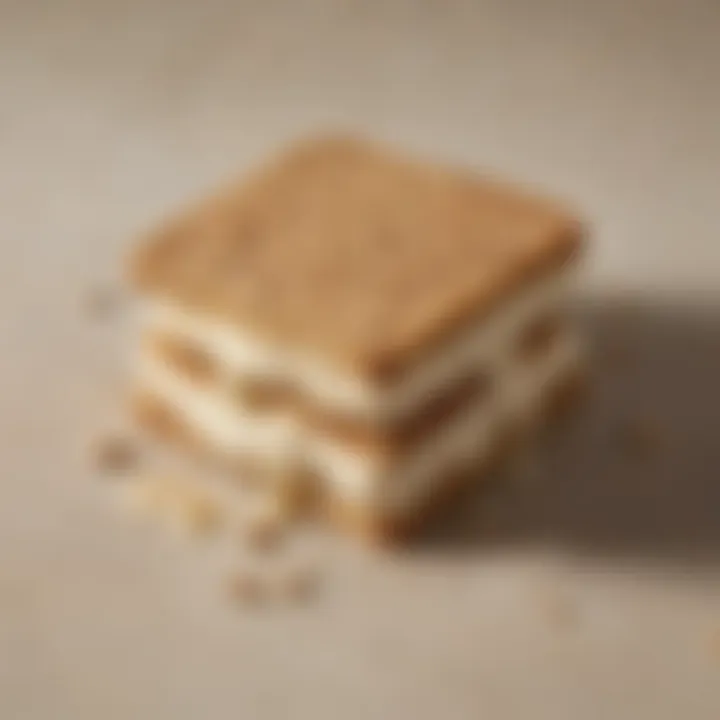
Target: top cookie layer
column 357, row 254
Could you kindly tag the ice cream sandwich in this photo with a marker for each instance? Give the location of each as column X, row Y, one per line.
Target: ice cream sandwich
column 377, row 322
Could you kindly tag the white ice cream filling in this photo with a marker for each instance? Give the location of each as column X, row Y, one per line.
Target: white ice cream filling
column 359, row 476
column 484, row 345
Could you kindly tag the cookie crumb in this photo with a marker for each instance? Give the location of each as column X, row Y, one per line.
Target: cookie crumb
column 199, row 515
column 264, row 532
column 298, row 495
column 245, row 588
column 116, row 454
column 168, row 498
column 145, row 496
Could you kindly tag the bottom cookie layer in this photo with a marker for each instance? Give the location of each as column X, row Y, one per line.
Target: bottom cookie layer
column 379, row 529
column 157, row 417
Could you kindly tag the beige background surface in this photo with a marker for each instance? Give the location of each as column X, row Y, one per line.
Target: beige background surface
column 111, row 114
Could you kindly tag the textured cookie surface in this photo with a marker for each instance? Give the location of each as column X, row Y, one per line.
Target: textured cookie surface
column 353, row 252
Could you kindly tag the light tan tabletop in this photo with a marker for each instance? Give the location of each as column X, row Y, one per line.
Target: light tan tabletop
column 586, row 586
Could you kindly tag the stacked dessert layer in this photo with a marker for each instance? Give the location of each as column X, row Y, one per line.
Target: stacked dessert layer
column 385, row 447
column 379, row 323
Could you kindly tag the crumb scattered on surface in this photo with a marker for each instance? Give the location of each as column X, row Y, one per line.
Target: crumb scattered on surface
column 199, row 514
column 116, row 454
column 265, row 531
column 194, row 510
column 139, row 497
column 246, row 588
column 150, row 494
column 296, row 497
